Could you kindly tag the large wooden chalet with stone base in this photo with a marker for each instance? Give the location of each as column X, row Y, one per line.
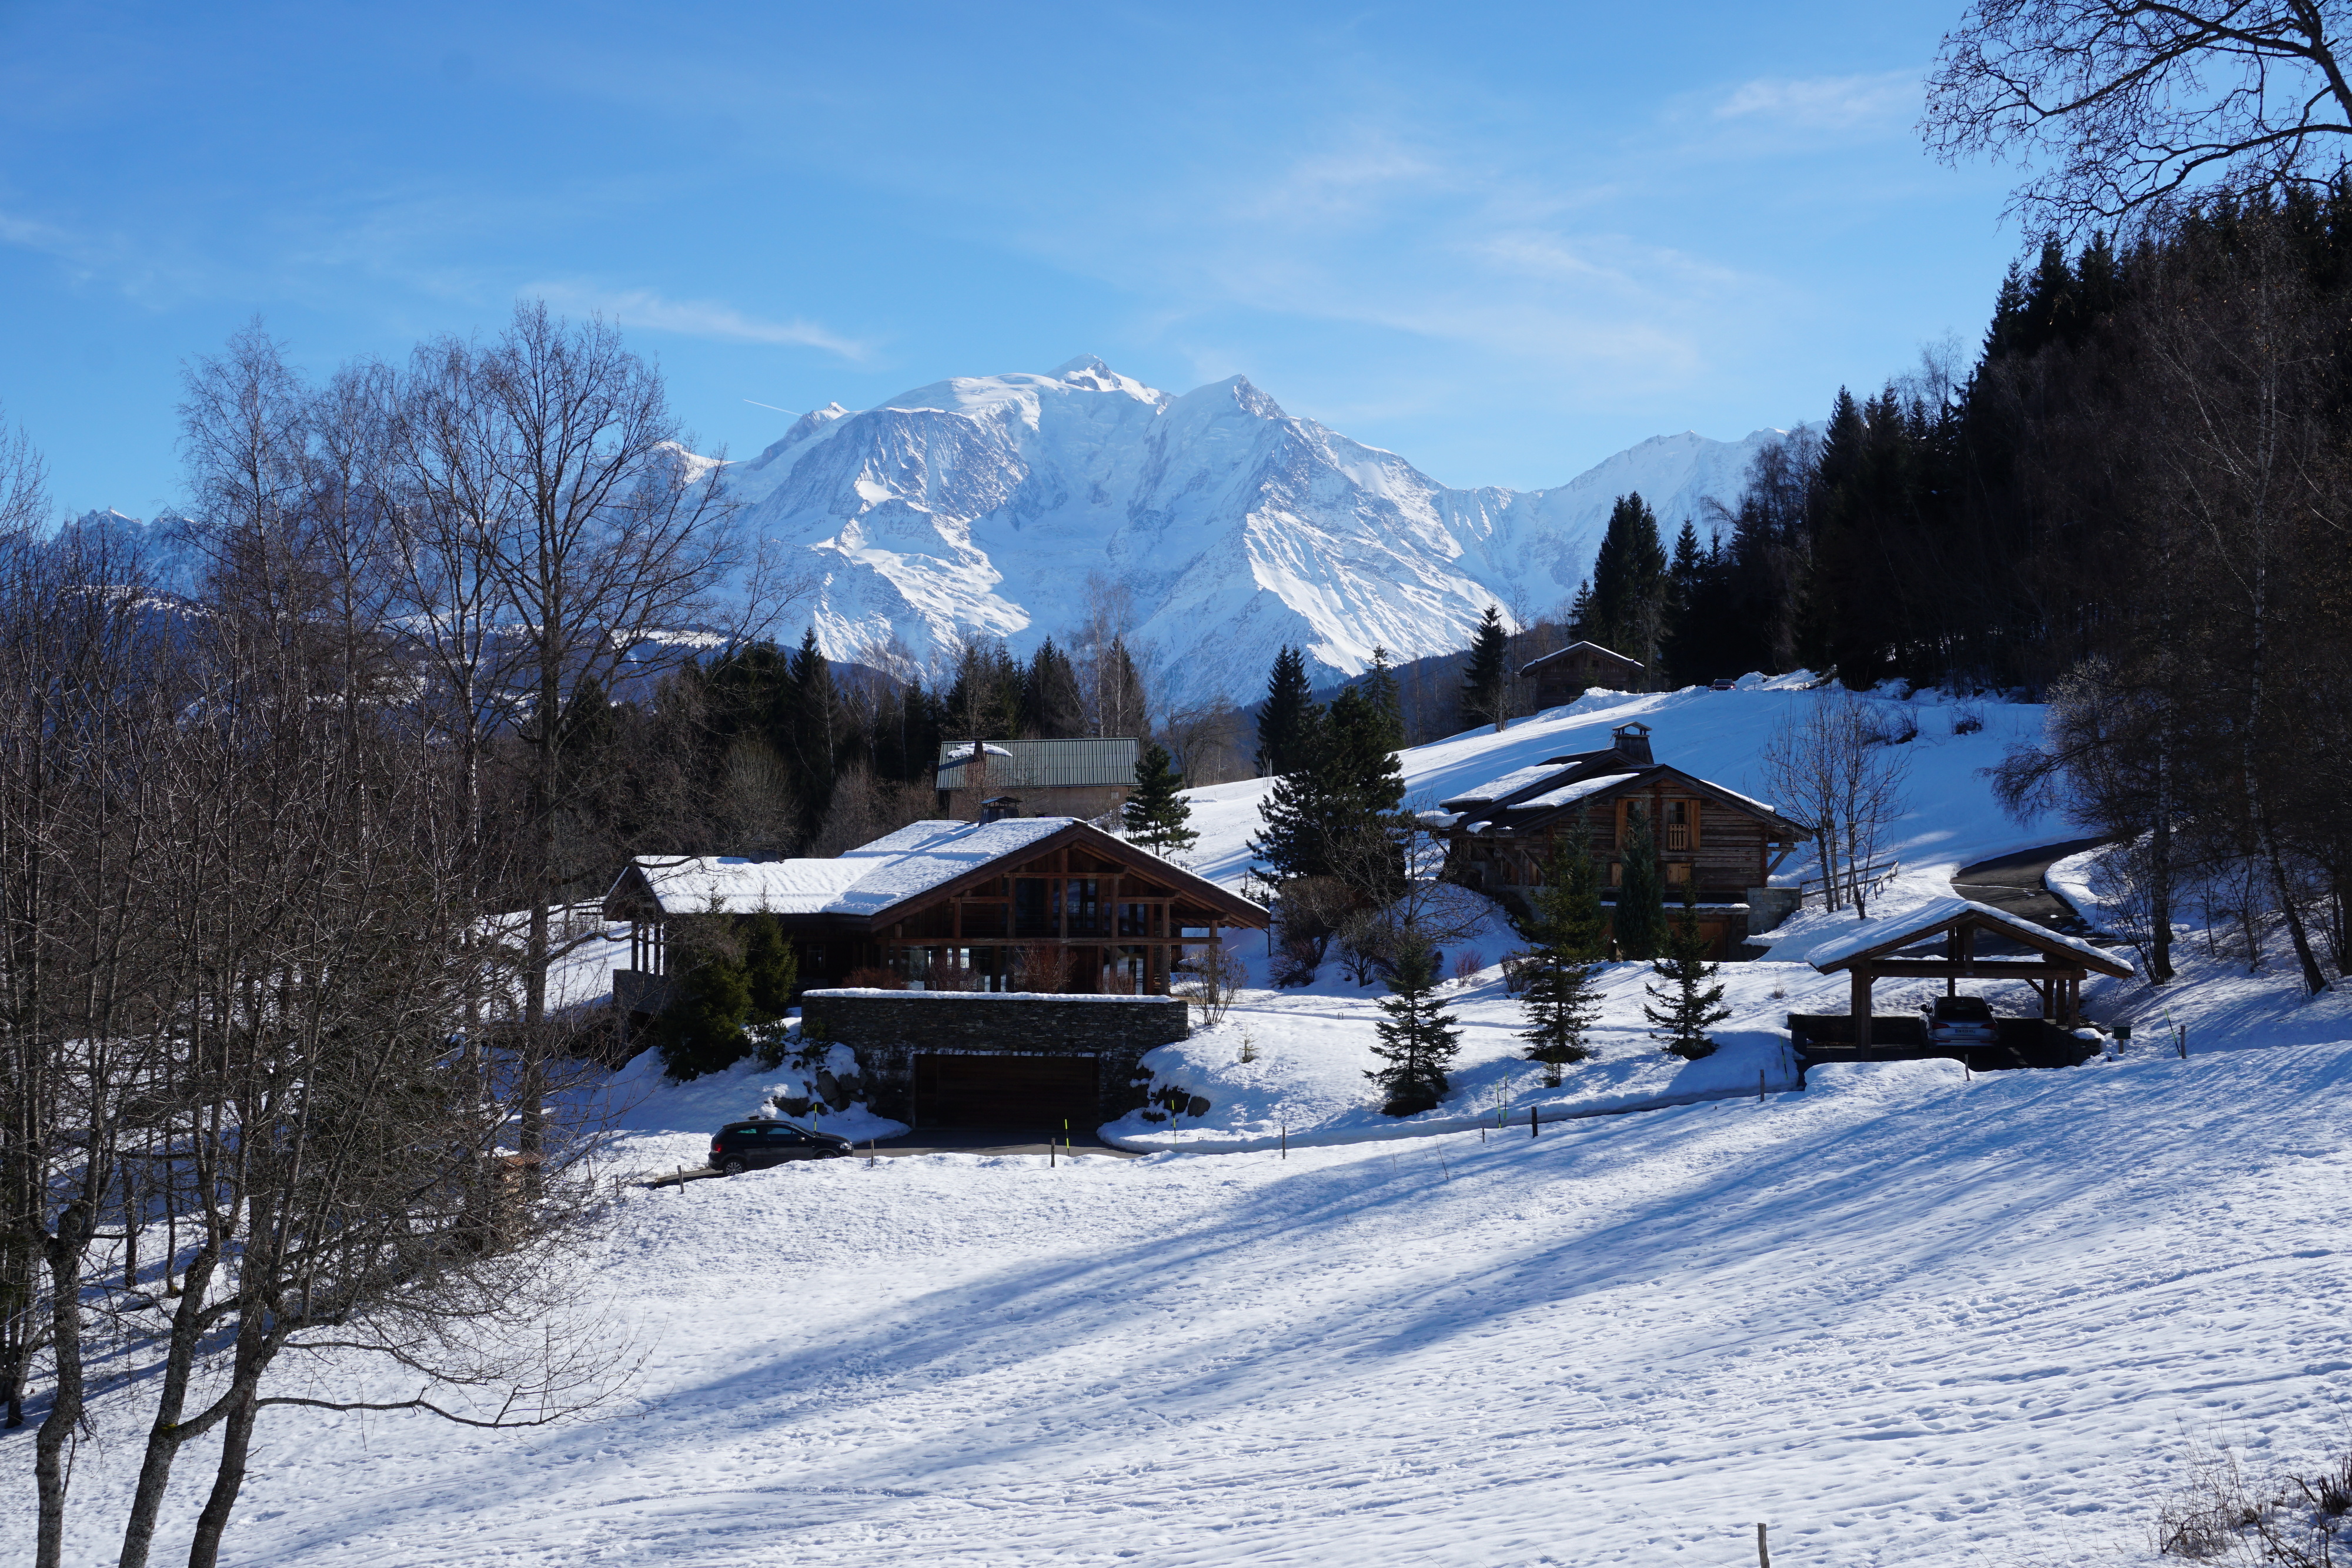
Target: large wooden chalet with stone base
column 1004, row 973
column 1714, row 841
column 1028, row 903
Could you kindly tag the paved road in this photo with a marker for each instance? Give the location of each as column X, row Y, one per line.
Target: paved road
column 2014, row 884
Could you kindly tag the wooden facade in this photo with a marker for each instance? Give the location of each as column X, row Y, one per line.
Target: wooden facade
column 1710, row 840
column 1564, row 675
column 1077, row 911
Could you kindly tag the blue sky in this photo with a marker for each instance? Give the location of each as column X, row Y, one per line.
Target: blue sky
column 1502, row 240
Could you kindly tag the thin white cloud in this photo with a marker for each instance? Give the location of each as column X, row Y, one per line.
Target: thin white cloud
column 1824, row 103
column 697, row 319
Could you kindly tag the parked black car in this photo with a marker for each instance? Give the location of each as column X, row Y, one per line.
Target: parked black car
column 740, row 1147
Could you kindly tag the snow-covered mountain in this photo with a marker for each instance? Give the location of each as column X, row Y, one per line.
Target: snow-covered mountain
column 985, row 505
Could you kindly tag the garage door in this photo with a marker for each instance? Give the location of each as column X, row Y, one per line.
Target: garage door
column 1006, row 1091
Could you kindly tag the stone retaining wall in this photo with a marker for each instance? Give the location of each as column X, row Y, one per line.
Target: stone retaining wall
column 887, row 1029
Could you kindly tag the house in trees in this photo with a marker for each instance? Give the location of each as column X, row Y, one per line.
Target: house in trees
column 1031, row 903
column 1711, row 838
column 984, row 781
column 1564, row 675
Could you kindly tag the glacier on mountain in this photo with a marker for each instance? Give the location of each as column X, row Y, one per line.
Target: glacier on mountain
column 988, row 505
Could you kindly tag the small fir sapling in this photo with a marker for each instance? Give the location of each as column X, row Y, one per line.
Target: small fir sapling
column 1557, row 979
column 1690, row 1007
column 1157, row 815
column 1640, row 917
column 1417, row 1042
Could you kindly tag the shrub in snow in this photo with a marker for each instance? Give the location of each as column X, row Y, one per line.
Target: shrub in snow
column 1690, row 1007
column 1467, row 965
column 2297, row 1519
column 1417, row 1042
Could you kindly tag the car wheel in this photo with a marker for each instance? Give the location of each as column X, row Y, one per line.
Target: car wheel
column 732, row 1167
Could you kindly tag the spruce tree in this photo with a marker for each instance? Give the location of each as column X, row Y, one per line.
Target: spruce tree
column 702, row 1030
column 1051, row 708
column 1639, row 919
column 1570, row 930
column 1157, row 815
column 1690, row 1006
column 1486, row 678
column 1287, row 720
column 1332, row 815
column 1629, row 585
column 1379, row 685
column 1417, row 1041
column 771, row 971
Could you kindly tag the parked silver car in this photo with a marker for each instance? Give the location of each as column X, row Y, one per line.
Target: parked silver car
column 1962, row 1020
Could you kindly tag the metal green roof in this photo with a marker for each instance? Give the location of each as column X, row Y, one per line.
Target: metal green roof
column 1017, row 764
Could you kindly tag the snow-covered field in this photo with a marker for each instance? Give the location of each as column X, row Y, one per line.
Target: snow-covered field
column 1904, row 1318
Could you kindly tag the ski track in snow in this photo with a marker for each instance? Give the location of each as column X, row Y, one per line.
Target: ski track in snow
column 1903, row 1318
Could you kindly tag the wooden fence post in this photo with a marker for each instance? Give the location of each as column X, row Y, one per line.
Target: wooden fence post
column 1763, row 1552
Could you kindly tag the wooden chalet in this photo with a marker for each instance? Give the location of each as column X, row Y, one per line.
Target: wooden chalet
column 1712, row 839
column 945, row 906
column 986, row 781
column 1566, row 673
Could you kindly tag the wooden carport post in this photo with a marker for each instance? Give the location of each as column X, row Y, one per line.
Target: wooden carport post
column 1862, row 984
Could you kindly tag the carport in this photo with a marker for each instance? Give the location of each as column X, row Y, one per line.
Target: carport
column 1901, row 947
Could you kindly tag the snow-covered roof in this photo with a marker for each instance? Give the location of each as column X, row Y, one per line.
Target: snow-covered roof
column 1569, row 793
column 1894, row 930
column 1573, row 647
column 863, row 881
column 1509, row 783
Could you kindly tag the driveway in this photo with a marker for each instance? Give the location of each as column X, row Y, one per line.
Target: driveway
column 2014, row 884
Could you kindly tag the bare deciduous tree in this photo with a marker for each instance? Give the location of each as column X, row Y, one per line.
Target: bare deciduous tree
column 2124, row 104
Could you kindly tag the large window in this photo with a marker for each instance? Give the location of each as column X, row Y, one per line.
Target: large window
column 1082, row 894
column 1032, row 913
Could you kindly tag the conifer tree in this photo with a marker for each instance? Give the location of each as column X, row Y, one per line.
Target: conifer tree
column 1690, row 1007
column 771, row 971
column 1639, row 919
column 1288, row 719
column 1379, row 685
column 1570, row 930
column 1486, row 678
column 1051, row 707
column 1629, row 585
column 702, row 1030
column 1330, row 815
column 1157, row 815
column 1417, row 1041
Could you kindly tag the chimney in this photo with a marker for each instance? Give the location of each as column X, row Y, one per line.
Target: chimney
column 1632, row 742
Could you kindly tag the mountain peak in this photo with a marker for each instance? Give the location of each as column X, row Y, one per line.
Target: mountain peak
column 1090, row 374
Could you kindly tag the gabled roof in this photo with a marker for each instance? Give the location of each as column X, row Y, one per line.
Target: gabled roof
column 926, row 858
column 1579, row 647
column 1891, row 933
column 1529, row 797
column 1037, row 764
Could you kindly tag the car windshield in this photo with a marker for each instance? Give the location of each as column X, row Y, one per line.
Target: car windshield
column 1965, row 1010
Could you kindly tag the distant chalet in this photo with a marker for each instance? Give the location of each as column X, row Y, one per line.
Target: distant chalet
column 1563, row 676
column 944, row 905
column 985, row 781
column 1713, row 840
